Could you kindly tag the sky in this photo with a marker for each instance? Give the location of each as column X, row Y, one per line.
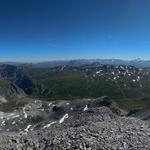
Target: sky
column 45, row 30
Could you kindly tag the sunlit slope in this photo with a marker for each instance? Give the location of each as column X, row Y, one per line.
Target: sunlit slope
column 65, row 82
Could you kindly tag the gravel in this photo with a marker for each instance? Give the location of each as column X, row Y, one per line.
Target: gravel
column 95, row 128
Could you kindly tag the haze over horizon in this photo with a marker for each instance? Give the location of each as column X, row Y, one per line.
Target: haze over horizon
column 36, row 30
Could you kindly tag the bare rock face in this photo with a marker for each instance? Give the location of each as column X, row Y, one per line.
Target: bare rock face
column 10, row 90
column 17, row 76
column 87, row 124
column 3, row 100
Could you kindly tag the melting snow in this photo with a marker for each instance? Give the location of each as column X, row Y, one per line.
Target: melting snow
column 27, row 129
column 16, row 116
column 138, row 78
column 86, row 108
column 42, row 109
column 25, row 114
column 13, row 122
column 3, row 123
column 115, row 78
column 63, row 118
column 48, row 125
column 98, row 72
column 49, row 104
column 122, row 67
column 113, row 72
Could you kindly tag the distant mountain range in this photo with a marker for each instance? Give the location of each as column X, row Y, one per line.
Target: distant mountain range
column 79, row 62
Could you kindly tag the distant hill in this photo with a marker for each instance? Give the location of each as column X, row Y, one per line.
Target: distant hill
column 79, row 62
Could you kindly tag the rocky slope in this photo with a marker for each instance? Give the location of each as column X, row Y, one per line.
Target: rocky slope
column 87, row 124
column 10, row 91
column 16, row 75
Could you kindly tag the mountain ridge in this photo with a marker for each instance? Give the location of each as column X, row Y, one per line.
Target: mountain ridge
column 79, row 62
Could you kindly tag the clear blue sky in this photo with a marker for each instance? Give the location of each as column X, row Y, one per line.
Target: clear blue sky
column 39, row 30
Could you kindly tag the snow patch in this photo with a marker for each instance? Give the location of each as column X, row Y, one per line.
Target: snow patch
column 98, row 72
column 63, row 118
column 48, row 125
column 27, row 129
column 86, row 108
column 13, row 122
column 138, row 78
column 3, row 123
column 49, row 104
column 16, row 116
column 115, row 78
column 24, row 112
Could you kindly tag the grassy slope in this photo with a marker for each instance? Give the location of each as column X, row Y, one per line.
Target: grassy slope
column 131, row 104
column 72, row 83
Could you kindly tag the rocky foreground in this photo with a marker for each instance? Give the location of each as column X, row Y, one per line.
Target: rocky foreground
column 90, row 124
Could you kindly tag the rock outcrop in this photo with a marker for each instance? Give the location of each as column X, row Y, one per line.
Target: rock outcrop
column 87, row 124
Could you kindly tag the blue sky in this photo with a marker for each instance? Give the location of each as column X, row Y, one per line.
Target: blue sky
column 42, row 30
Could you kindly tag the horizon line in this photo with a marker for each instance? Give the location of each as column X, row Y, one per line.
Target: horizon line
column 55, row 60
